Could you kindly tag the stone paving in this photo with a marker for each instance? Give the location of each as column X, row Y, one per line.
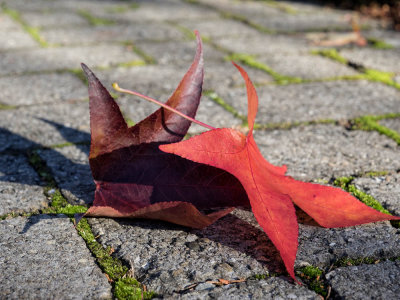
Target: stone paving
column 325, row 114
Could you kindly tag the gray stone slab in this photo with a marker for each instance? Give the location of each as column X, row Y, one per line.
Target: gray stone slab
column 6, row 23
column 385, row 189
column 179, row 53
column 271, row 288
column 305, row 66
column 112, row 33
column 169, row 258
column 383, row 60
column 323, row 247
column 218, row 27
column 388, row 36
column 41, row 88
column 326, row 151
column 264, row 44
column 379, row 281
column 158, row 10
column 70, row 168
column 20, row 189
column 44, row 258
column 44, row 125
column 393, row 124
column 37, row 60
column 15, row 39
column 53, row 19
column 315, row 101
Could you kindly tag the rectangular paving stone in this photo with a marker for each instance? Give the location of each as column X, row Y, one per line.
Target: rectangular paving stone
column 49, row 59
column 322, row 247
column 305, row 66
column 264, row 44
column 43, row 257
column 41, row 88
column 326, row 151
column 157, row 10
column 218, row 27
column 133, row 31
column 168, row 258
column 53, row 19
column 44, row 125
column 382, row 60
column 6, row 23
column 20, row 186
column 376, row 281
column 385, row 189
column 16, row 39
column 70, row 168
column 315, row 101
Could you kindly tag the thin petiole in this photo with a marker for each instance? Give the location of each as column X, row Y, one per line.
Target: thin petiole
column 117, row 88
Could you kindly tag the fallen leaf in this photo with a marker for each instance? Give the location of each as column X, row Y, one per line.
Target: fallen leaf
column 271, row 192
column 135, row 179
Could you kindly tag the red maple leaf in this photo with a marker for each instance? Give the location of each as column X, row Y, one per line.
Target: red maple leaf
column 271, row 192
column 135, row 179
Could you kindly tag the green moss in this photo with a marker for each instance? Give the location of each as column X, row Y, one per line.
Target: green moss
column 252, row 62
column 34, row 32
column 39, row 165
column 146, row 57
column 313, row 278
column 110, row 265
column 379, row 44
column 345, row 261
column 67, row 144
column 132, row 63
column 370, row 123
column 375, row 173
column 283, row 7
column 6, row 106
column 332, row 54
column 217, row 99
column 345, row 184
column 94, row 21
column 122, row 8
column 129, row 289
column 246, row 21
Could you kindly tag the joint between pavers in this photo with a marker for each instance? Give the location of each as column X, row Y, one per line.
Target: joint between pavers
column 93, row 20
column 34, row 32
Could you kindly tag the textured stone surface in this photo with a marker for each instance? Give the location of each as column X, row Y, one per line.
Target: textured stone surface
column 14, row 39
column 383, row 60
column 322, row 247
column 45, row 125
column 315, row 101
column 379, row 281
column 43, row 257
column 53, row 19
column 169, row 258
column 64, row 58
column 20, row 189
column 112, row 33
column 70, row 168
column 326, row 151
column 305, row 66
column 41, row 88
column 271, row 288
column 385, row 189
column 393, row 124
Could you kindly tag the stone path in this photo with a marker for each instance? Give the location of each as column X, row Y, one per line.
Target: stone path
column 331, row 115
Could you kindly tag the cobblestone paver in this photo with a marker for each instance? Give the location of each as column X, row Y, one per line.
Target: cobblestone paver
column 324, row 116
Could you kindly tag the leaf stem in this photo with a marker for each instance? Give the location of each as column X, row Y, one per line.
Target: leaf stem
column 119, row 89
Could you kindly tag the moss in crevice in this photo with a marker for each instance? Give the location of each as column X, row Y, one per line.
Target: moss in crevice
column 34, row 32
column 313, row 277
column 370, row 123
column 129, row 64
column 345, row 184
column 94, row 21
column 250, row 61
column 247, row 22
column 281, row 6
column 6, row 106
column 188, row 33
column 39, row 165
column 366, row 73
column 379, row 44
column 130, row 289
column 217, row 99
column 345, row 261
column 122, row 8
